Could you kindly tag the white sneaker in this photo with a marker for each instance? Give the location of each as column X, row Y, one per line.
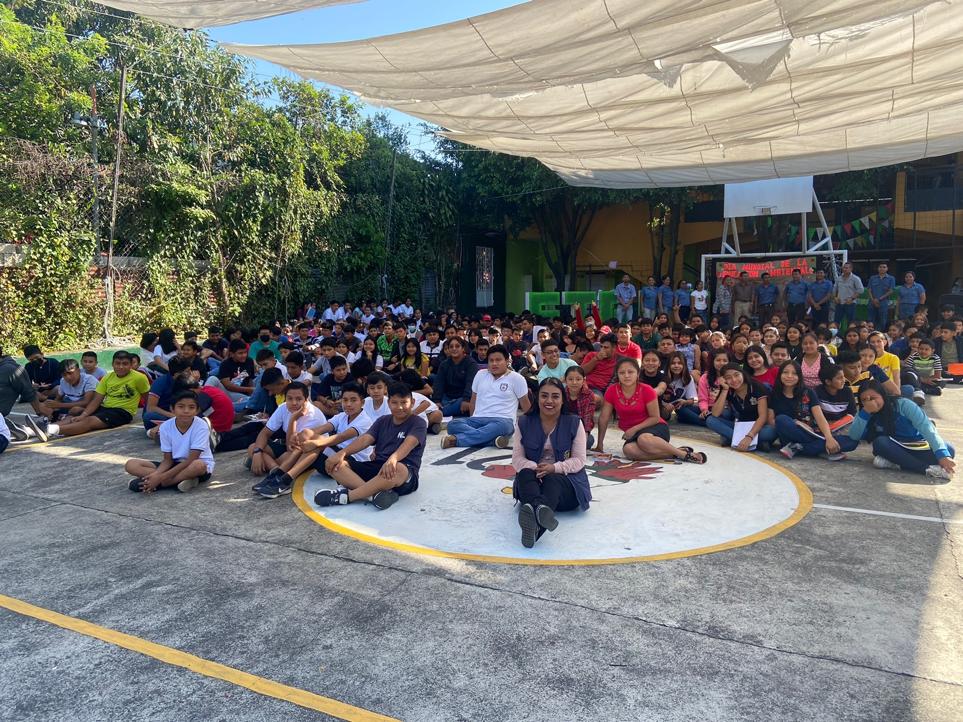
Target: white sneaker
column 188, row 484
column 938, row 472
column 880, row 463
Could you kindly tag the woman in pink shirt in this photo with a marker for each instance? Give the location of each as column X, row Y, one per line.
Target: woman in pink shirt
column 645, row 434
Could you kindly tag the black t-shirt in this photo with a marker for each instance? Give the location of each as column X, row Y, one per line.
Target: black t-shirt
column 200, row 366
column 389, row 436
column 220, row 348
column 836, row 406
column 654, row 380
column 747, row 409
column 44, row 373
column 331, row 388
column 455, row 379
column 231, row 370
column 793, row 408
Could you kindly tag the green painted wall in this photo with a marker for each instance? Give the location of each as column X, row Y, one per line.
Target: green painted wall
column 521, row 258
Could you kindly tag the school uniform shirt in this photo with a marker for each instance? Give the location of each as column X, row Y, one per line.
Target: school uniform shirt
column 497, row 398
column 376, row 413
column 836, row 406
column 667, row 296
column 633, row 410
column 165, row 357
column 360, row 423
column 650, row 295
column 389, row 436
column 281, row 418
column 682, row 297
column 98, row 373
column 879, row 285
column 418, row 399
column 747, row 409
column 819, row 289
column 910, row 295
column 796, row 292
column 767, row 295
column 564, row 364
column 72, row 393
column 123, row 392
column 180, row 445
column 625, row 292
column 304, row 377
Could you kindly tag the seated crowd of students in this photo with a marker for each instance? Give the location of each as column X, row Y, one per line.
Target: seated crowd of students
column 354, row 393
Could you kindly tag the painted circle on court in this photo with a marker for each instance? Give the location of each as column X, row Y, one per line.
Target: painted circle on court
column 641, row 511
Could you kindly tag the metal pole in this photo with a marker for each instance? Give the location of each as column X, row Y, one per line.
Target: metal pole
column 804, row 229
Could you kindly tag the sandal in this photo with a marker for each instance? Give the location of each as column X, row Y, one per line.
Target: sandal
column 687, row 449
column 697, row 457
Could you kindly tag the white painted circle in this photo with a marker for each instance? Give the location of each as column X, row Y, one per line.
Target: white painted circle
column 640, row 510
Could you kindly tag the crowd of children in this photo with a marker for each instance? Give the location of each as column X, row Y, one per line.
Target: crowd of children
column 353, row 392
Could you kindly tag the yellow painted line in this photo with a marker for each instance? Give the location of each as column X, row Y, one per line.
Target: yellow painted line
column 802, row 509
column 215, row 670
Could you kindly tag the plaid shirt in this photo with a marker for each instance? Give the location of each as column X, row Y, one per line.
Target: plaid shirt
column 584, row 406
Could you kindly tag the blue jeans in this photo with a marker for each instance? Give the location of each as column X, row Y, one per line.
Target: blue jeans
column 624, row 314
column 150, row 417
column 879, row 316
column 690, row 415
column 479, row 430
column 790, row 433
column 845, row 311
column 4, row 443
column 723, row 427
column 908, row 460
column 649, row 313
column 906, row 310
column 451, row 407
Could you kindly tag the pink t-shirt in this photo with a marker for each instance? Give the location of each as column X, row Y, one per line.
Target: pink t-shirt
column 634, row 409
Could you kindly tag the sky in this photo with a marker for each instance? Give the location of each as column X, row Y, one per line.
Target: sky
column 354, row 22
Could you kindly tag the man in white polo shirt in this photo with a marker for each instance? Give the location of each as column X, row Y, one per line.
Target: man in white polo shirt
column 496, row 395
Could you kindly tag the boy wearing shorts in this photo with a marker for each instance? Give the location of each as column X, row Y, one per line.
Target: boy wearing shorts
column 185, row 441
column 114, row 404
column 399, row 442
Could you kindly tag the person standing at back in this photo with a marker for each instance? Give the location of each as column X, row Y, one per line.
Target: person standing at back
column 625, row 296
column 796, row 293
column 911, row 296
column 881, row 289
column 650, row 298
column 666, row 296
column 820, row 295
column 742, row 297
column 848, row 288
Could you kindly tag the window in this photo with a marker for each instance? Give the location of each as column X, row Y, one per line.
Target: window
column 484, row 276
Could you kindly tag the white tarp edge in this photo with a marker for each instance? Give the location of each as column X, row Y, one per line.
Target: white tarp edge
column 211, row 13
column 673, row 92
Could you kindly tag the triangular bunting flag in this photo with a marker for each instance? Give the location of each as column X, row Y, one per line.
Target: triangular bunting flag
column 848, row 227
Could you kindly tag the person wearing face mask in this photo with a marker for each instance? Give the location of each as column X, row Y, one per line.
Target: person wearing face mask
column 549, row 461
column 264, row 341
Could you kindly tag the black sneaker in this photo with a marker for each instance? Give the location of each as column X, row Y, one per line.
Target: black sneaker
column 331, row 497
column 546, row 517
column 434, row 428
column 529, row 525
column 269, row 488
column 272, row 474
column 384, row 499
column 135, row 484
column 284, row 483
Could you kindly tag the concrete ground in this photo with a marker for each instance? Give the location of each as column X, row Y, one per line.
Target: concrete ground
column 845, row 616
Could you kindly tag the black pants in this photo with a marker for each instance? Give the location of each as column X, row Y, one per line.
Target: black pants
column 240, row 438
column 797, row 312
column 553, row 490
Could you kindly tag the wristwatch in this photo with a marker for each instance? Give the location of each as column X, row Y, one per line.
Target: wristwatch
column 257, row 450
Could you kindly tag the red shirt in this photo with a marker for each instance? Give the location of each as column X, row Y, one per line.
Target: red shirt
column 633, row 350
column 601, row 376
column 222, row 414
column 768, row 378
column 633, row 410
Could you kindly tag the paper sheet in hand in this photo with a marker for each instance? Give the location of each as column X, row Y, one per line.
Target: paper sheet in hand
column 739, row 431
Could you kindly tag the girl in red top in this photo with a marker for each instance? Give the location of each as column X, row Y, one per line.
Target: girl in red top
column 758, row 365
column 645, row 435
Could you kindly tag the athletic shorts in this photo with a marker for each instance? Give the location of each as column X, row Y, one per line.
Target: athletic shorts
column 202, row 477
column 368, row 470
column 113, row 417
column 659, row 430
column 278, row 446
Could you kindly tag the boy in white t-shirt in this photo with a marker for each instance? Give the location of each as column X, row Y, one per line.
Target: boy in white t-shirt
column 277, row 440
column 316, row 445
column 185, row 440
column 376, row 405
column 496, row 395
column 4, row 435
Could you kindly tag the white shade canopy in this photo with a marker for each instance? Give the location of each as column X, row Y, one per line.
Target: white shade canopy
column 623, row 93
column 211, row 13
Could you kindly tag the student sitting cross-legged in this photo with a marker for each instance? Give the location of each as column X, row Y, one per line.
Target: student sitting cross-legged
column 296, row 414
column 313, row 447
column 741, row 400
column 497, row 394
column 185, row 441
column 902, row 435
column 75, row 391
column 549, row 461
column 114, row 403
column 399, row 442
